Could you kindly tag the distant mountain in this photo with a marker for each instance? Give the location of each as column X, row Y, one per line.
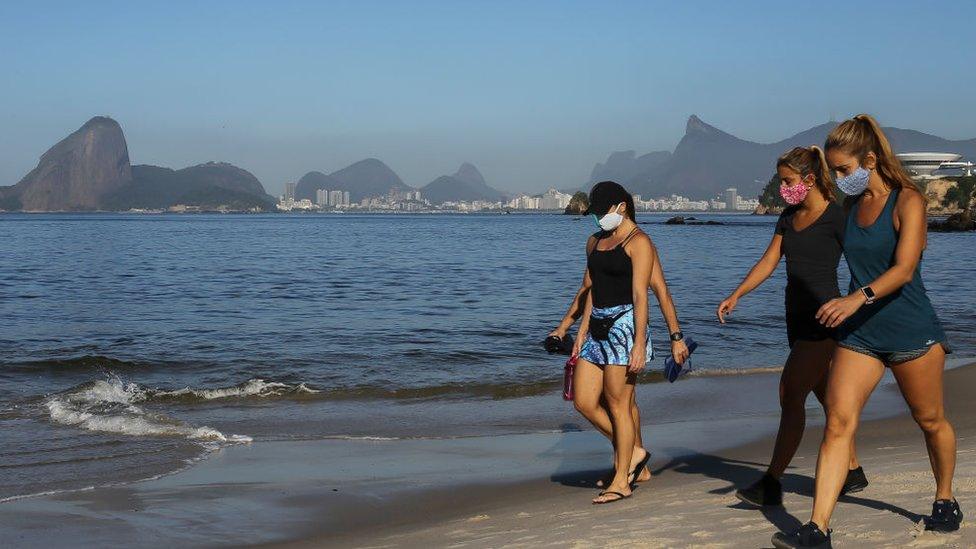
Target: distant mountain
column 77, row 173
column 210, row 186
column 366, row 178
column 89, row 170
column 708, row 160
column 466, row 184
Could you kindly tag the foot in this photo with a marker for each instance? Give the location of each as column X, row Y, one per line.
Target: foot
column 643, row 476
column 856, row 481
column 767, row 491
column 638, row 464
column 808, row 535
column 946, row 516
column 611, row 495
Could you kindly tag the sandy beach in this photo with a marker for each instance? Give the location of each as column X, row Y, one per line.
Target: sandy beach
column 525, row 490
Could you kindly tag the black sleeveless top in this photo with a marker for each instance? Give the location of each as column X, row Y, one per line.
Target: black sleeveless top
column 612, row 274
column 812, row 256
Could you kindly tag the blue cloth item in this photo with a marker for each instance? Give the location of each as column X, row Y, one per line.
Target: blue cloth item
column 899, row 322
column 616, row 349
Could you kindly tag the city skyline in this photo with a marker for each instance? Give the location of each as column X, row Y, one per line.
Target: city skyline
column 534, row 95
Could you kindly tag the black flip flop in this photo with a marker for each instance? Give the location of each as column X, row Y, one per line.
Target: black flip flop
column 640, row 466
column 605, row 492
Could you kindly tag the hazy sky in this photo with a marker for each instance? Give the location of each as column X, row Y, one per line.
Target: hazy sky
column 533, row 93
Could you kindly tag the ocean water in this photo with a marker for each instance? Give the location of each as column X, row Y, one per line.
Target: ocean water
column 133, row 345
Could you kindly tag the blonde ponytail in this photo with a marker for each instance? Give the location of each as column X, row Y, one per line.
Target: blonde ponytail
column 862, row 135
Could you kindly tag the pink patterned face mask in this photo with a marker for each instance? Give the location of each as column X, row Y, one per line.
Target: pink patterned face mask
column 793, row 194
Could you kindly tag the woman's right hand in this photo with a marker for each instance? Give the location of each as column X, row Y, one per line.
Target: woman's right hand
column 578, row 344
column 726, row 307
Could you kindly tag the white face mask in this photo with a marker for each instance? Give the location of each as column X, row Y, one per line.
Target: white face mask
column 612, row 220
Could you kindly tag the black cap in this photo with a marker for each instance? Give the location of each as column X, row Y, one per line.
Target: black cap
column 604, row 195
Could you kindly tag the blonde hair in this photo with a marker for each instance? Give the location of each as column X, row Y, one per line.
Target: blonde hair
column 862, row 135
column 810, row 160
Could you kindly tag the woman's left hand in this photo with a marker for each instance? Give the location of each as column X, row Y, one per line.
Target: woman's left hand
column 834, row 312
column 638, row 358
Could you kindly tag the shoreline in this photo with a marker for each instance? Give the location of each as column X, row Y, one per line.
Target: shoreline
column 480, row 490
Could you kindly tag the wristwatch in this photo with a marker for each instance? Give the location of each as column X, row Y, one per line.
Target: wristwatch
column 677, row 336
column 868, row 294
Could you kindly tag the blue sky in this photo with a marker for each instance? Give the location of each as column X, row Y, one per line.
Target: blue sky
column 533, row 93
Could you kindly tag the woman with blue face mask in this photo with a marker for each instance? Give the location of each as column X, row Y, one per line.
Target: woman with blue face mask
column 886, row 320
column 614, row 345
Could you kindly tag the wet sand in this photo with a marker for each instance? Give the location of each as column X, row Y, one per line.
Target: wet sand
column 518, row 490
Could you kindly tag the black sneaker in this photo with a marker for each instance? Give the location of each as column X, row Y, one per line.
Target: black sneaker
column 946, row 516
column 808, row 535
column 856, row 481
column 767, row 491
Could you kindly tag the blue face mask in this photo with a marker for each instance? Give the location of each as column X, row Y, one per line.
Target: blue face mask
column 854, row 183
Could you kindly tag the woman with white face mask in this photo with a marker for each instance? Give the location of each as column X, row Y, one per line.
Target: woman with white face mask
column 810, row 235
column 614, row 344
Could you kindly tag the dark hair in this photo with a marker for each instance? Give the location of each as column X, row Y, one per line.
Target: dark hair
column 607, row 194
column 810, row 160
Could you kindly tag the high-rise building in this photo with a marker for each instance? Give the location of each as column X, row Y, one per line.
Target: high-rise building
column 731, row 198
column 322, row 197
column 345, row 199
column 289, row 191
column 335, row 198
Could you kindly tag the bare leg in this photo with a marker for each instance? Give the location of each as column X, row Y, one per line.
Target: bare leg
column 852, row 378
column 805, row 368
column 920, row 381
column 618, row 389
column 587, row 396
column 589, row 401
column 820, row 391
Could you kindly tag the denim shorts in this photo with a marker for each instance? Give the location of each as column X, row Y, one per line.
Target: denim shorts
column 894, row 357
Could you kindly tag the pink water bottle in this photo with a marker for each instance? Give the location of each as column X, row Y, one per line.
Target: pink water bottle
column 568, row 378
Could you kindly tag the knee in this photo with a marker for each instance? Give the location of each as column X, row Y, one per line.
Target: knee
column 792, row 401
column 587, row 407
column 618, row 406
column 840, row 425
column 930, row 421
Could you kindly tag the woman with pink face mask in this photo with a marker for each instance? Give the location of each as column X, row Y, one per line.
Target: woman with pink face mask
column 809, row 234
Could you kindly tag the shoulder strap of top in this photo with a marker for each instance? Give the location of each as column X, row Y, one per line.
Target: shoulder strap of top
column 629, row 236
column 599, row 236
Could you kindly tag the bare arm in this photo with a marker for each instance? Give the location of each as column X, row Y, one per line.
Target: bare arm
column 585, row 323
column 659, row 286
column 910, row 224
column 641, row 255
column 575, row 308
column 586, row 295
column 759, row 273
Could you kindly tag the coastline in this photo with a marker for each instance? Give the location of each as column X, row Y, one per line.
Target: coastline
column 520, row 489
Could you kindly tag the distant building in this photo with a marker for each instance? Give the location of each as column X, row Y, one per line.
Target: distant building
column 322, row 197
column 335, row 198
column 923, row 165
column 289, row 191
column 731, row 199
column 554, row 200
column 345, row 198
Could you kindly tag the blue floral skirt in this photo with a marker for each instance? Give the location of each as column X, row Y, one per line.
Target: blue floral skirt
column 616, row 349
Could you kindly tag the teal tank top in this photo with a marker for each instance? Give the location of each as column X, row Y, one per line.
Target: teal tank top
column 901, row 321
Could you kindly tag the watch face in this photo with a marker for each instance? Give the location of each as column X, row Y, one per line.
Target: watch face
column 868, row 292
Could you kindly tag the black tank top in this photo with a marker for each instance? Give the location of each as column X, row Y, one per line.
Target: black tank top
column 612, row 274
